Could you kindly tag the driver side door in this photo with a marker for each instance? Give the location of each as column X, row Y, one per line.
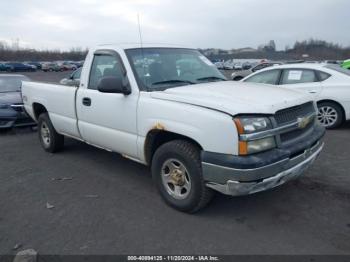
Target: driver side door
column 107, row 120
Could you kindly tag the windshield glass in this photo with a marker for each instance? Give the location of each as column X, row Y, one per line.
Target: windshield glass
column 11, row 83
column 338, row 69
column 162, row 68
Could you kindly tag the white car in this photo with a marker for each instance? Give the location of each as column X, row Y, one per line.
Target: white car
column 171, row 109
column 329, row 84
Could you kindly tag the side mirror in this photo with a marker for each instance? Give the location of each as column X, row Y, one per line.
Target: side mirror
column 112, row 84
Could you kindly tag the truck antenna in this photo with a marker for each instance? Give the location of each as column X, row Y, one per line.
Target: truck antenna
column 141, row 43
column 140, row 33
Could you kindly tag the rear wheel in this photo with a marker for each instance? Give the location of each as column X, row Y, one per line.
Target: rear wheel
column 330, row 115
column 177, row 172
column 50, row 140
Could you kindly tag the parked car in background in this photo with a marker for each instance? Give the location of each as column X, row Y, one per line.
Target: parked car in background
column 73, row 79
column 328, row 83
column 346, row 64
column 65, row 66
column 19, row 67
column 171, row 108
column 32, row 66
column 51, row 67
column 239, row 75
column 219, row 65
column 4, row 67
column 12, row 113
column 37, row 64
column 70, row 66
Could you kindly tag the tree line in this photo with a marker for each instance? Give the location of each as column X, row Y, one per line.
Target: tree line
column 8, row 53
column 308, row 50
column 311, row 49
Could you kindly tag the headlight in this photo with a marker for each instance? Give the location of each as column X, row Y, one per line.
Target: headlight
column 251, row 125
column 260, row 145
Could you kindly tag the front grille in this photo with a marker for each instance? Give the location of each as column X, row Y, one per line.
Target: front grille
column 295, row 134
column 291, row 114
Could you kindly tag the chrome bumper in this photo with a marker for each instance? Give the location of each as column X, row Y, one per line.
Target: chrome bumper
column 292, row 168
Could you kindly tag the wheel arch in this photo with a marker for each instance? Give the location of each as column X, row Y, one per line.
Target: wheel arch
column 38, row 109
column 156, row 138
column 334, row 102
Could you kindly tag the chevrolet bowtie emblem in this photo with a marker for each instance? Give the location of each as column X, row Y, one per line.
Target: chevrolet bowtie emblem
column 304, row 121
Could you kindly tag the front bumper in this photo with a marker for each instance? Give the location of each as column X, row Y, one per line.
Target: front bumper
column 234, row 175
column 11, row 118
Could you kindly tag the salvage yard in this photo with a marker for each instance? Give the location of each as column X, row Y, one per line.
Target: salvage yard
column 84, row 200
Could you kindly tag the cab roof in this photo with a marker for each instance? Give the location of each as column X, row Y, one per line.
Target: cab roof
column 138, row 45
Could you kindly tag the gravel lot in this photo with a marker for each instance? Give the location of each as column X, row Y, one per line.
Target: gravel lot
column 105, row 204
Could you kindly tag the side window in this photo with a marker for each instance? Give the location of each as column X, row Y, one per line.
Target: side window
column 102, row 66
column 323, row 76
column 298, row 76
column 267, row 77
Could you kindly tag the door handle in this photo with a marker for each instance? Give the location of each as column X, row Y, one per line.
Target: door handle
column 312, row 91
column 87, row 101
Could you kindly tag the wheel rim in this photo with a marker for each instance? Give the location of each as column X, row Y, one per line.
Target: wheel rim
column 176, row 179
column 327, row 116
column 45, row 134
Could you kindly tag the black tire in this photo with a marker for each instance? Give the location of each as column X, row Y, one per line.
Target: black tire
column 55, row 141
column 237, row 78
column 188, row 155
column 336, row 111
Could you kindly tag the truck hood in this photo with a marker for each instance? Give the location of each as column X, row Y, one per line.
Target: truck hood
column 235, row 97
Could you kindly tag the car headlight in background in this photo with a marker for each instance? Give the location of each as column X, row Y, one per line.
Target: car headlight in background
column 251, row 125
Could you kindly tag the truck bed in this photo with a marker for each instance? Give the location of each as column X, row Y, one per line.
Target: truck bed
column 59, row 101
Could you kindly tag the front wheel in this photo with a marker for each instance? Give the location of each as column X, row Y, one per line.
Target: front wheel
column 50, row 140
column 329, row 115
column 177, row 172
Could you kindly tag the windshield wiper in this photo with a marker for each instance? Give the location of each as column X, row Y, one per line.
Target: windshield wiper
column 211, row 78
column 173, row 81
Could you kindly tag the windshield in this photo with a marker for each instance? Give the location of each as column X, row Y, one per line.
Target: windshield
column 338, row 69
column 11, row 83
column 162, row 68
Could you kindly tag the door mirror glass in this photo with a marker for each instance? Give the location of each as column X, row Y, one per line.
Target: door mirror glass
column 112, row 84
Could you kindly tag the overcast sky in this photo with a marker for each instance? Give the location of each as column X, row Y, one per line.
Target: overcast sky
column 62, row 24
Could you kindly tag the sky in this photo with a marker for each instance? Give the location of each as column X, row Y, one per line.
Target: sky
column 226, row 24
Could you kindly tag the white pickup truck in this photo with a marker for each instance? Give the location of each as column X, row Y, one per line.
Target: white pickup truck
column 170, row 108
